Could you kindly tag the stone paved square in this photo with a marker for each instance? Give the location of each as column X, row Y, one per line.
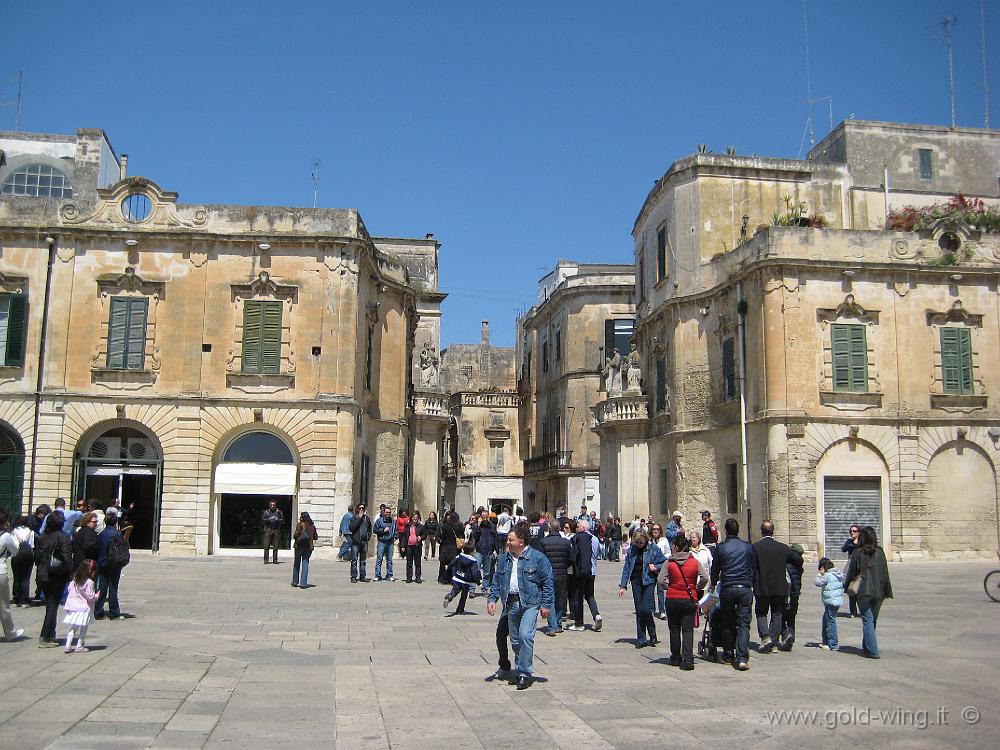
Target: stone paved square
column 223, row 653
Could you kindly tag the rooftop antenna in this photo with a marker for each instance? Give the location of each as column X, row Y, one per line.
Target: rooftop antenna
column 946, row 31
column 809, row 99
column 17, row 102
column 986, row 83
column 315, row 179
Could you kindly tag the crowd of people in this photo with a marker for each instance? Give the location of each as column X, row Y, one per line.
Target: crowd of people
column 77, row 557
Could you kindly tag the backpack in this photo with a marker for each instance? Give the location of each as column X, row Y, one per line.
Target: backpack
column 24, row 553
column 117, row 553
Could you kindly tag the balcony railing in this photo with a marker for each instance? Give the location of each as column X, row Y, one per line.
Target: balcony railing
column 430, row 403
column 496, row 399
column 548, row 462
column 622, row 409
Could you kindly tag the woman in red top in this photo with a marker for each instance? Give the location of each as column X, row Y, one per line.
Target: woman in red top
column 679, row 578
column 402, row 520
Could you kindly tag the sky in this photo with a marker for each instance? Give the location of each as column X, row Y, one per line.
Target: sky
column 518, row 133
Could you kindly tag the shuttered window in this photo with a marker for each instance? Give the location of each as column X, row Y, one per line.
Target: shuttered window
column 127, row 333
column 661, row 253
column 661, row 385
column 13, row 312
column 729, row 369
column 261, row 337
column 956, row 360
column 850, row 358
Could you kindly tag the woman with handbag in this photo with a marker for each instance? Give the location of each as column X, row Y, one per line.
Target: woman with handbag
column 868, row 577
column 54, row 561
column 452, row 530
column 412, row 542
column 305, row 537
column 679, row 577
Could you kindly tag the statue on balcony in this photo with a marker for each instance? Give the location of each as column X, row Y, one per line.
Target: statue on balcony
column 429, row 362
column 633, row 372
column 613, row 374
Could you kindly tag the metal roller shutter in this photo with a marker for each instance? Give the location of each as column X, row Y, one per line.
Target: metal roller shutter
column 847, row 501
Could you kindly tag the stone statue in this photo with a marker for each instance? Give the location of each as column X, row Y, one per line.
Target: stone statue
column 633, row 372
column 615, row 374
column 429, row 362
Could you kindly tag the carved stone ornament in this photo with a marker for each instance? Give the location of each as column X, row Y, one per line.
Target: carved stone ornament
column 902, row 287
column 342, row 262
column 265, row 286
column 129, row 281
column 956, row 314
column 13, row 284
column 849, row 308
column 163, row 212
column 901, row 250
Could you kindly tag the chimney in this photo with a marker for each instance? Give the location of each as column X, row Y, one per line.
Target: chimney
column 429, row 236
column 486, row 333
column 124, row 166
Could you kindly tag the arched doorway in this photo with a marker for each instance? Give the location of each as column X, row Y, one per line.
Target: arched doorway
column 11, row 470
column 852, row 487
column 960, row 503
column 123, row 466
column 255, row 467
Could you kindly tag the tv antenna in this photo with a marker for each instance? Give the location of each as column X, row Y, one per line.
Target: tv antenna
column 17, row 102
column 946, row 31
column 809, row 97
column 986, row 82
column 315, row 179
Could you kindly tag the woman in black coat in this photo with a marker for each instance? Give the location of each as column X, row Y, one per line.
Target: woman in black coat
column 868, row 561
column 432, row 528
column 85, row 545
column 54, row 560
column 451, row 531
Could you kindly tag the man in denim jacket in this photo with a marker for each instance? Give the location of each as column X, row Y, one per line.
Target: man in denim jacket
column 385, row 533
column 523, row 584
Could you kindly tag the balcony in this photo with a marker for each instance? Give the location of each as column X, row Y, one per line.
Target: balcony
column 494, row 399
column 621, row 409
column 430, row 404
column 548, row 462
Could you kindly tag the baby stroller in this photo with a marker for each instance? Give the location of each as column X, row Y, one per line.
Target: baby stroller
column 717, row 633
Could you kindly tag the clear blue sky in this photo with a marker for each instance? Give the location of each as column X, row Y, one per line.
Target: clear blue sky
column 517, row 132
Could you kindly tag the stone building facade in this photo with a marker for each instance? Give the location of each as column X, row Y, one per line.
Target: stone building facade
column 824, row 373
column 196, row 360
column 584, row 312
column 481, row 459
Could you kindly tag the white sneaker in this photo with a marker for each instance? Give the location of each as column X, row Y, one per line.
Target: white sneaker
column 17, row 634
column 575, row 628
column 390, row 578
column 824, row 647
column 598, row 623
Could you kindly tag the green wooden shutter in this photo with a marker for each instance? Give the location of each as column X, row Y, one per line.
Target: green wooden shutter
column 16, row 316
column 840, row 341
column 135, row 341
column 661, row 385
column 270, row 350
column 965, row 359
column 729, row 369
column 859, row 359
column 117, row 330
column 950, row 360
column 253, row 313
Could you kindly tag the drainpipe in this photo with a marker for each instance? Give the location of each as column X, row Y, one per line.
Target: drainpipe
column 885, row 189
column 41, row 370
column 741, row 307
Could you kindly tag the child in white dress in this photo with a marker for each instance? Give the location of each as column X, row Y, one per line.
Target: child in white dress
column 80, row 606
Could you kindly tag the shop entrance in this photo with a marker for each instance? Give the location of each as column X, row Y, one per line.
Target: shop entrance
column 122, row 467
column 256, row 468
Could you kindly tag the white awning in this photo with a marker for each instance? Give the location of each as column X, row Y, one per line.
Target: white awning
column 255, row 479
column 117, row 471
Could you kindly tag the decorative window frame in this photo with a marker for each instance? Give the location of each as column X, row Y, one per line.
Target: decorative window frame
column 265, row 289
column 727, row 329
column 956, row 316
column 848, row 312
column 127, row 284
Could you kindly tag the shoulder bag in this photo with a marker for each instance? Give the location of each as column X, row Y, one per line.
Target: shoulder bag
column 697, row 620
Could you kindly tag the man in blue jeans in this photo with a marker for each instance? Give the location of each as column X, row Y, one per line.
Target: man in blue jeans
column 108, row 576
column 523, row 582
column 385, row 533
column 733, row 566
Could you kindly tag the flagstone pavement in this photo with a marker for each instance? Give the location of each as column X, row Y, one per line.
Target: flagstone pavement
column 224, row 653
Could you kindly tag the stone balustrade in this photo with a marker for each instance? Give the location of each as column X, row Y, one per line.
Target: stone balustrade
column 621, row 409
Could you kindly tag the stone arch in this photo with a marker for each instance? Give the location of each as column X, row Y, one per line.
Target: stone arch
column 933, row 439
column 819, row 438
column 960, row 501
column 86, row 440
column 848, row 459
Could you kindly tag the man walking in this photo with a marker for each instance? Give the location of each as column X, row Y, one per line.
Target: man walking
column 585, row 551
column 709, row 529
column 109, row 573
column 345, row 532
column 523, row 582
column 385, row 533
column 273, row 520
column 361, row 531
column 558, row 550
column 771, row 585
column 485, row 538
column 733, row 567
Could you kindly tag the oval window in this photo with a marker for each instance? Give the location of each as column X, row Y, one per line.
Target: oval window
column 136, row 207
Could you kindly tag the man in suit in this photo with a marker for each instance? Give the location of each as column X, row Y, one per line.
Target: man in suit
column 771, row 585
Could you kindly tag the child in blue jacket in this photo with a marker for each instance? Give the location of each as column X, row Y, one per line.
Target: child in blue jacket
column 465, row 576
column 831, row 581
